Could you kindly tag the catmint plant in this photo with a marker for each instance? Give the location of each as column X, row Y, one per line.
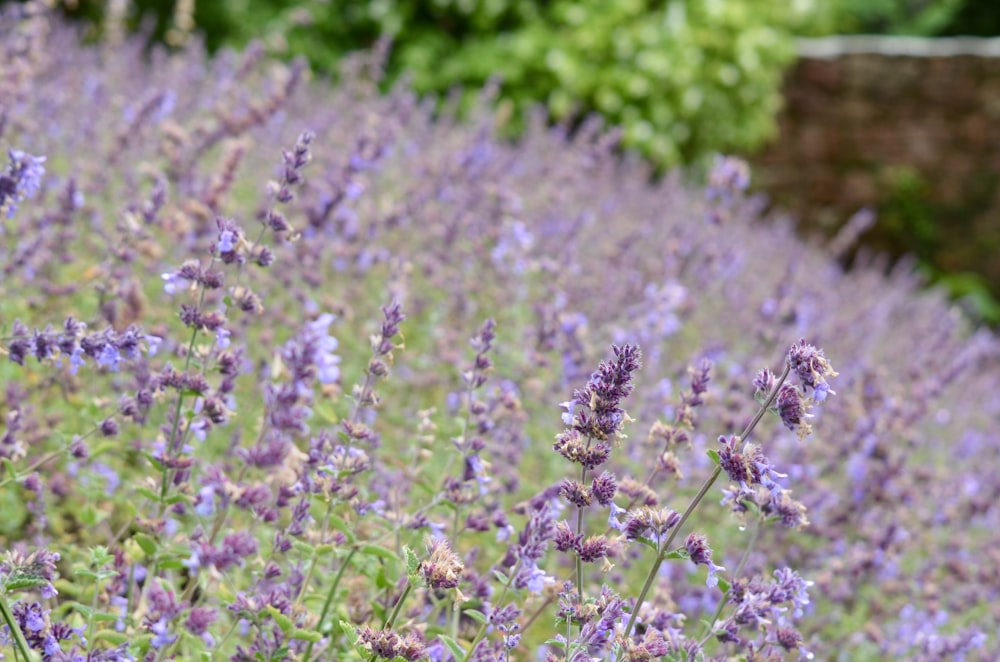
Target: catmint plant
column 240, row 416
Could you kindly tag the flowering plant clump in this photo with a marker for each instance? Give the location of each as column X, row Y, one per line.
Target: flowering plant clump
column 282, row 372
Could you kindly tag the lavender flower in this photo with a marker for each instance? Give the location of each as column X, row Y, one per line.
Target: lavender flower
column 22, row 179
column 701, row 554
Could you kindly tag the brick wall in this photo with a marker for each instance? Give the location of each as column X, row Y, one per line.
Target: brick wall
column 908, row 126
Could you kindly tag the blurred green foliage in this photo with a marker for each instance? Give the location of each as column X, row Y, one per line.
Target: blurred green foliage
column 896, row 17
column 980, row 18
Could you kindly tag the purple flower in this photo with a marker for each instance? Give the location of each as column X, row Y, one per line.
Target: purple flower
column 812, row 368
column 701, row 554
column 567, row 416
column 792, row 410
column 174, row 283
column 161, row 632
column 76, row 360
column 109, row 357
column 22, row 179
column 227, row 241
column 729, row 176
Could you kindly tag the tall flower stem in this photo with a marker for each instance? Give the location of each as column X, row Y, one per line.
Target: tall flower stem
column 500, row 604
column 579, row 532
column 665, row 548
column 329, row 599
column 395, row 612
column 736, row 573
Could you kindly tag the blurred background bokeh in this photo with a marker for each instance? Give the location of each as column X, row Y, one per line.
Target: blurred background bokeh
column 891, row 106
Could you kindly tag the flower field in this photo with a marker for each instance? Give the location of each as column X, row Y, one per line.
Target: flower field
column 295, row 370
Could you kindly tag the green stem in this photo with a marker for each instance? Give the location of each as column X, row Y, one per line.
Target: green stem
column 500, row 604
column 579, row 532
column 90, row 618
column 661, row 555
column 534, row 617
column 569, row 632
column 48, row 457
column 736, row 573
column 228, row 634
column 329, row 599
column 315, row 555
column 395, row 612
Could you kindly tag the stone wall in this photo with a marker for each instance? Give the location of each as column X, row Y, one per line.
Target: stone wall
column 907, row 126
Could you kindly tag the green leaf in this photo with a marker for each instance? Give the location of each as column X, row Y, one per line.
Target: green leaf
column 154, row 461
column 171, row 564
column 148, row 493
column 19, row 580
column 112, row 637
column 306, row 635
column 648, row 542
column 9, row 466
column 105, row 618
column 714, row 455
column 679, row 553
column 724, row 585
column 381, row 581
column 147, row 544
column 286, row 624
column 342, row 526
column 456, row 649
column 412, row 562
column 101, row 449
column 476, row 615
column 349, row 632
column 378, row 551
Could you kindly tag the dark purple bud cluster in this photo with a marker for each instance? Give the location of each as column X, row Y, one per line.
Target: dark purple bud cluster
column 597, row 620
column 482, row 365
column 791, row 408
column 812, row 369
column 648, row 522
column 701, row 554
column 652, row 647
column 40, row 632
column 108, row 348
column 442, row 569
column 684, row 417
column 387, row 645
column 36, row 570
column 293, row 161
column 191, row 275
column 601, row 417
